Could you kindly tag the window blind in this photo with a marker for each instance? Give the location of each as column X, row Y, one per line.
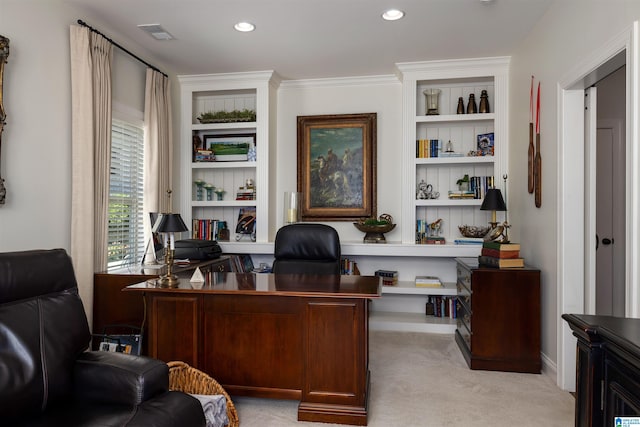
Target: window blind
column 126, row 230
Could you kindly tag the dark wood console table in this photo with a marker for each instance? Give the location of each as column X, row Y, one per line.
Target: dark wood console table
column 607, row 368
column 301, row 337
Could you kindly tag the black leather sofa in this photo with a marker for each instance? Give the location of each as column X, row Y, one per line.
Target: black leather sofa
column 47, row 378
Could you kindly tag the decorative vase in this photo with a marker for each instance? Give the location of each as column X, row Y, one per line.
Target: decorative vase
column 431, row 106
column 472, row 107
column 460, row 109
column 199, row 189
column 484, row 102
column 209, row 189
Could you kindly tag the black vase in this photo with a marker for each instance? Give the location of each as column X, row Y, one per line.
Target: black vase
column 472, row 107
column 484, row 102
column 460, row 106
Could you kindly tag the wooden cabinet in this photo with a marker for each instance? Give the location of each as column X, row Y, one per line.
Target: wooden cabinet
column 498, row 325
column 111, row 306
column 607, row 368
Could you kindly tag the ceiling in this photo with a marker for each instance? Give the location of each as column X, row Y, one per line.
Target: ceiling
column 306, row 39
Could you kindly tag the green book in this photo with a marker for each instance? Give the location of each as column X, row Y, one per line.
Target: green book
column 501, row 246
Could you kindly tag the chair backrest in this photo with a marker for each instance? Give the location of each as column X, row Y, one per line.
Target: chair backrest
column 43, row 328
column 306, row 248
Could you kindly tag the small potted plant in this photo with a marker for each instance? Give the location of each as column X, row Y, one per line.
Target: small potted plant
column 463, row 183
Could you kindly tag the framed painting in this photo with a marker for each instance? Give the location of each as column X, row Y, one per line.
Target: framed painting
column 232, row 147
column 337, row 166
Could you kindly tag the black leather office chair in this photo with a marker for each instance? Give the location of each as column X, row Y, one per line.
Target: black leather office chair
column 46, row 376
column 306, row 248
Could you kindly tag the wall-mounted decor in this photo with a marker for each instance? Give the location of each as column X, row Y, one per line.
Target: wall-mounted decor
column 4, row 54
column 337, row 166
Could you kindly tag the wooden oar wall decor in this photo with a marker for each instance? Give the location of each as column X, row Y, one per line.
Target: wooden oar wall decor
column 532, row 150
column 537, row 172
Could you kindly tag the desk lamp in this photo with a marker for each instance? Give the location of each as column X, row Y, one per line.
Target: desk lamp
column 168, row 224
column 493, row 202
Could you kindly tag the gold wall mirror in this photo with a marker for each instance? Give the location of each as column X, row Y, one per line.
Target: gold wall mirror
column 4, row 54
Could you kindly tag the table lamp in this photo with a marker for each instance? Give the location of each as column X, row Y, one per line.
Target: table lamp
column 493, row 202
column 167, row 225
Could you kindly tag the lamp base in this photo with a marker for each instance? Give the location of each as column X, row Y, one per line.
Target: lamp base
column 168, row 281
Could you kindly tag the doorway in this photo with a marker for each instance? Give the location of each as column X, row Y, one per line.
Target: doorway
column 605, row 204
column 576, row 190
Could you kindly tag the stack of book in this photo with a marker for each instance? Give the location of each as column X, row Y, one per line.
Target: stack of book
column 428, row 282
column 501, row 255
column 389, row 277
column 246, row 194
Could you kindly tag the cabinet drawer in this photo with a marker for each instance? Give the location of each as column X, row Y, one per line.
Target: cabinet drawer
column 464, row 316
column 464, row 278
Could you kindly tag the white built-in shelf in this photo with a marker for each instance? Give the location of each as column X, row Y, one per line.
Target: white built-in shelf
column 411, row 322
column 409, row 288
column 223, row 165
column 222, row 203
column 454, row 160
column 236, row 126
column 365, row 249
column 449, row 202
column 455, row 118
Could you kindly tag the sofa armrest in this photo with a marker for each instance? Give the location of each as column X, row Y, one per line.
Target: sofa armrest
column 117, row 378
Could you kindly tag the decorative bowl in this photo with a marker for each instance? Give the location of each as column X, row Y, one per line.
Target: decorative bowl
column 375, row 232
column 473, row 230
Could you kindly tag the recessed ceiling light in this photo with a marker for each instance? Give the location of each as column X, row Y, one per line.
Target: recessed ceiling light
column 244, row 26
column 392, row 15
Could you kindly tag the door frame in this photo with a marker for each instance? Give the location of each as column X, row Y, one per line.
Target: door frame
column 570, row 197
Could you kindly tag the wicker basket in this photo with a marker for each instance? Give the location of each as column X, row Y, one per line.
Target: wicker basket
column 183, row 377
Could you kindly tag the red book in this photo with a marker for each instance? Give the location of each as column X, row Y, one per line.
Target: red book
column 500, row 254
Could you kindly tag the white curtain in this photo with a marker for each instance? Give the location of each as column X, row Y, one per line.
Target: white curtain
column 91, row 56
column 158, row 143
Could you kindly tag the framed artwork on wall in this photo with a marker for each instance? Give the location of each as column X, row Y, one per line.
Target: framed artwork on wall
column 337, row 166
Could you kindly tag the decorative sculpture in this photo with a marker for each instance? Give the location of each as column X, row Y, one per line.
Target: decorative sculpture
column 4, row 54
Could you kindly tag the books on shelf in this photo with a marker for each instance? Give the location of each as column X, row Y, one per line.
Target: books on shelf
column 349, row 267
column 208, row 229
column 441, row 306
column 426, row 148
column 455, row 195
column 489, row 261
column 389, row 277
column 502, row 246
column 499, row 254
column 428, row 282
column 469, row 241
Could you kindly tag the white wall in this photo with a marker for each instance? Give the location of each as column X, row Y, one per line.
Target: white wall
column 36, row 148
column 569, row 32
column 36, row 142
column 381, row 95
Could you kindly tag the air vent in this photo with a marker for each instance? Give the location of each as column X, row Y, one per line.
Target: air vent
column 156, row 31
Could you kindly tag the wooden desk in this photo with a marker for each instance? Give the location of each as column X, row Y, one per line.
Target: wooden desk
column 607, row 368
column 113, row 307
column 277, row 336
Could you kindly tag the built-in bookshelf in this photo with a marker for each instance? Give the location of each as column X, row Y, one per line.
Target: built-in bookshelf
column 224, row 188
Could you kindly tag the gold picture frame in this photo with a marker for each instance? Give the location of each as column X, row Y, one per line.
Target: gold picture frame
column 337, row 166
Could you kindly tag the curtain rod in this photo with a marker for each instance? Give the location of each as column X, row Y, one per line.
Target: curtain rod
column 84, row 24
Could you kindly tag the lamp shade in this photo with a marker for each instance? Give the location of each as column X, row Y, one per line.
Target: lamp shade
column 169, row 223
column 493, row 201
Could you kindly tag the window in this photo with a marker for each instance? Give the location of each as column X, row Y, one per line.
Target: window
column 126, row 229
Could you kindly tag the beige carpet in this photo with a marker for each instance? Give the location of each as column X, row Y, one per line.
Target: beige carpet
column 422, row 380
